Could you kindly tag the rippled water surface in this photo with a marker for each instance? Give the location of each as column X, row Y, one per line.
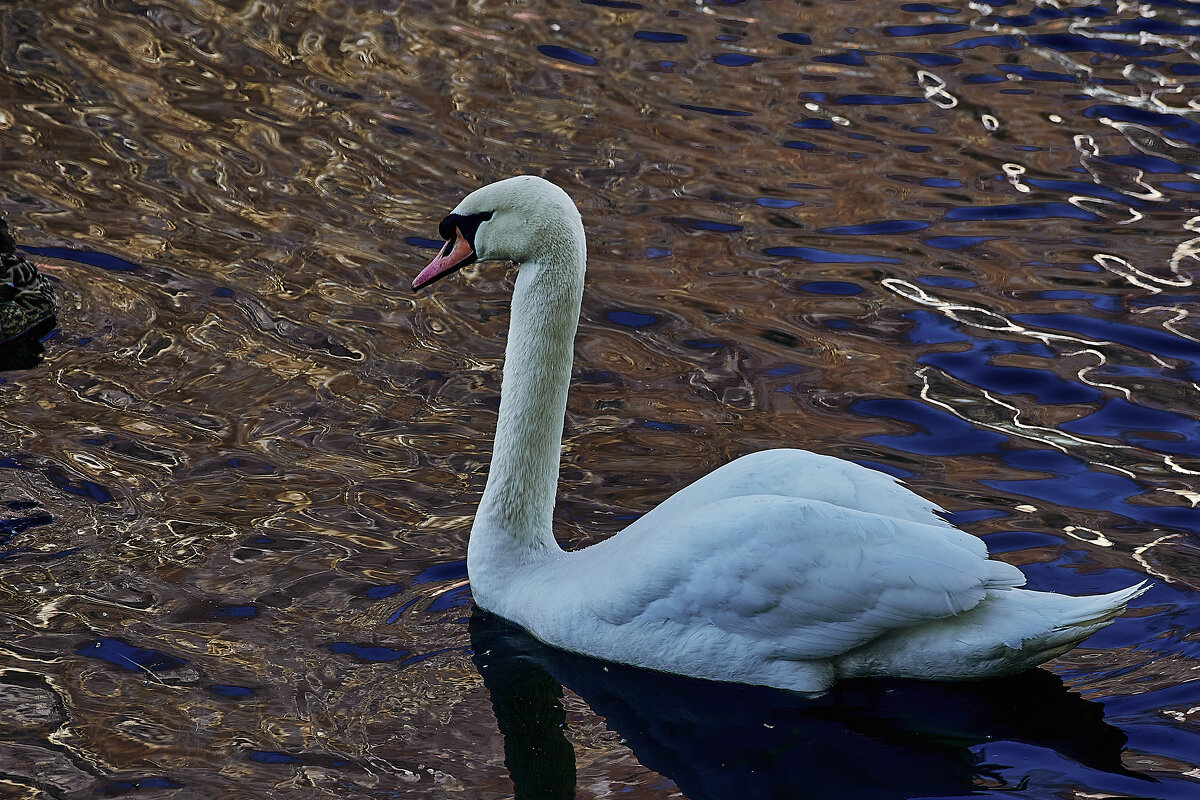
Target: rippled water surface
column 954, row 242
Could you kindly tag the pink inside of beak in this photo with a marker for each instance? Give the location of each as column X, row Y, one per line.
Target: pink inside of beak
column 445, row 263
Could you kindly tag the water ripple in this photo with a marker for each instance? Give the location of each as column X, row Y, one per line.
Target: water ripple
column 956, row 242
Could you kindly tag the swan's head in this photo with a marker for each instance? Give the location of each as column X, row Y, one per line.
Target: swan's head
column 516, row 219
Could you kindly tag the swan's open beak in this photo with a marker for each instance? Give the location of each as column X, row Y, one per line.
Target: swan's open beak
column 454, row 256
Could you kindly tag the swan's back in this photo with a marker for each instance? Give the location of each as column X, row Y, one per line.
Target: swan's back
column 788, row 472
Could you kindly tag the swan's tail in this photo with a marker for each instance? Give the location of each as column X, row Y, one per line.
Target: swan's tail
column 1077, row 619
column 1010, row 631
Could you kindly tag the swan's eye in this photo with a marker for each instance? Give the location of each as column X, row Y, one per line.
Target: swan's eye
column 468, row 224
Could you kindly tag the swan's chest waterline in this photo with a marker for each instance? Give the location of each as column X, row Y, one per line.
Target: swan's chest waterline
column 513, row 526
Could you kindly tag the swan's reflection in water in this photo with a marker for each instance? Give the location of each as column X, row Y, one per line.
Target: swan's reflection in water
column 865, row 739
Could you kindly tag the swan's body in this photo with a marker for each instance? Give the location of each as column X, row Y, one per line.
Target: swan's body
column 783, row 568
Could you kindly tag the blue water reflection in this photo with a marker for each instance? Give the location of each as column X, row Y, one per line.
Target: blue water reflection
column 938, row 432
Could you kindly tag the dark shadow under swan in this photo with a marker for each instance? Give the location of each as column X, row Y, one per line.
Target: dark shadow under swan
column 864, row 739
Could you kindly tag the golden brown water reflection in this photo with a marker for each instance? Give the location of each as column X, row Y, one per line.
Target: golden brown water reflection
column 953, row 241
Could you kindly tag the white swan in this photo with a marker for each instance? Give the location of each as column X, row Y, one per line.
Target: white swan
column 783, row 568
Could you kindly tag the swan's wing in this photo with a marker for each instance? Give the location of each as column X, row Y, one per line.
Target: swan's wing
column 801, row 474
column 796, row 579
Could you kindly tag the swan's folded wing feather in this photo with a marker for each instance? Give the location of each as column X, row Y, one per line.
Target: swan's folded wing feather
column 799, row 579
column 801, row 474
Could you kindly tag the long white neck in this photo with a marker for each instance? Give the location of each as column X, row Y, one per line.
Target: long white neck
column 513, row 526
